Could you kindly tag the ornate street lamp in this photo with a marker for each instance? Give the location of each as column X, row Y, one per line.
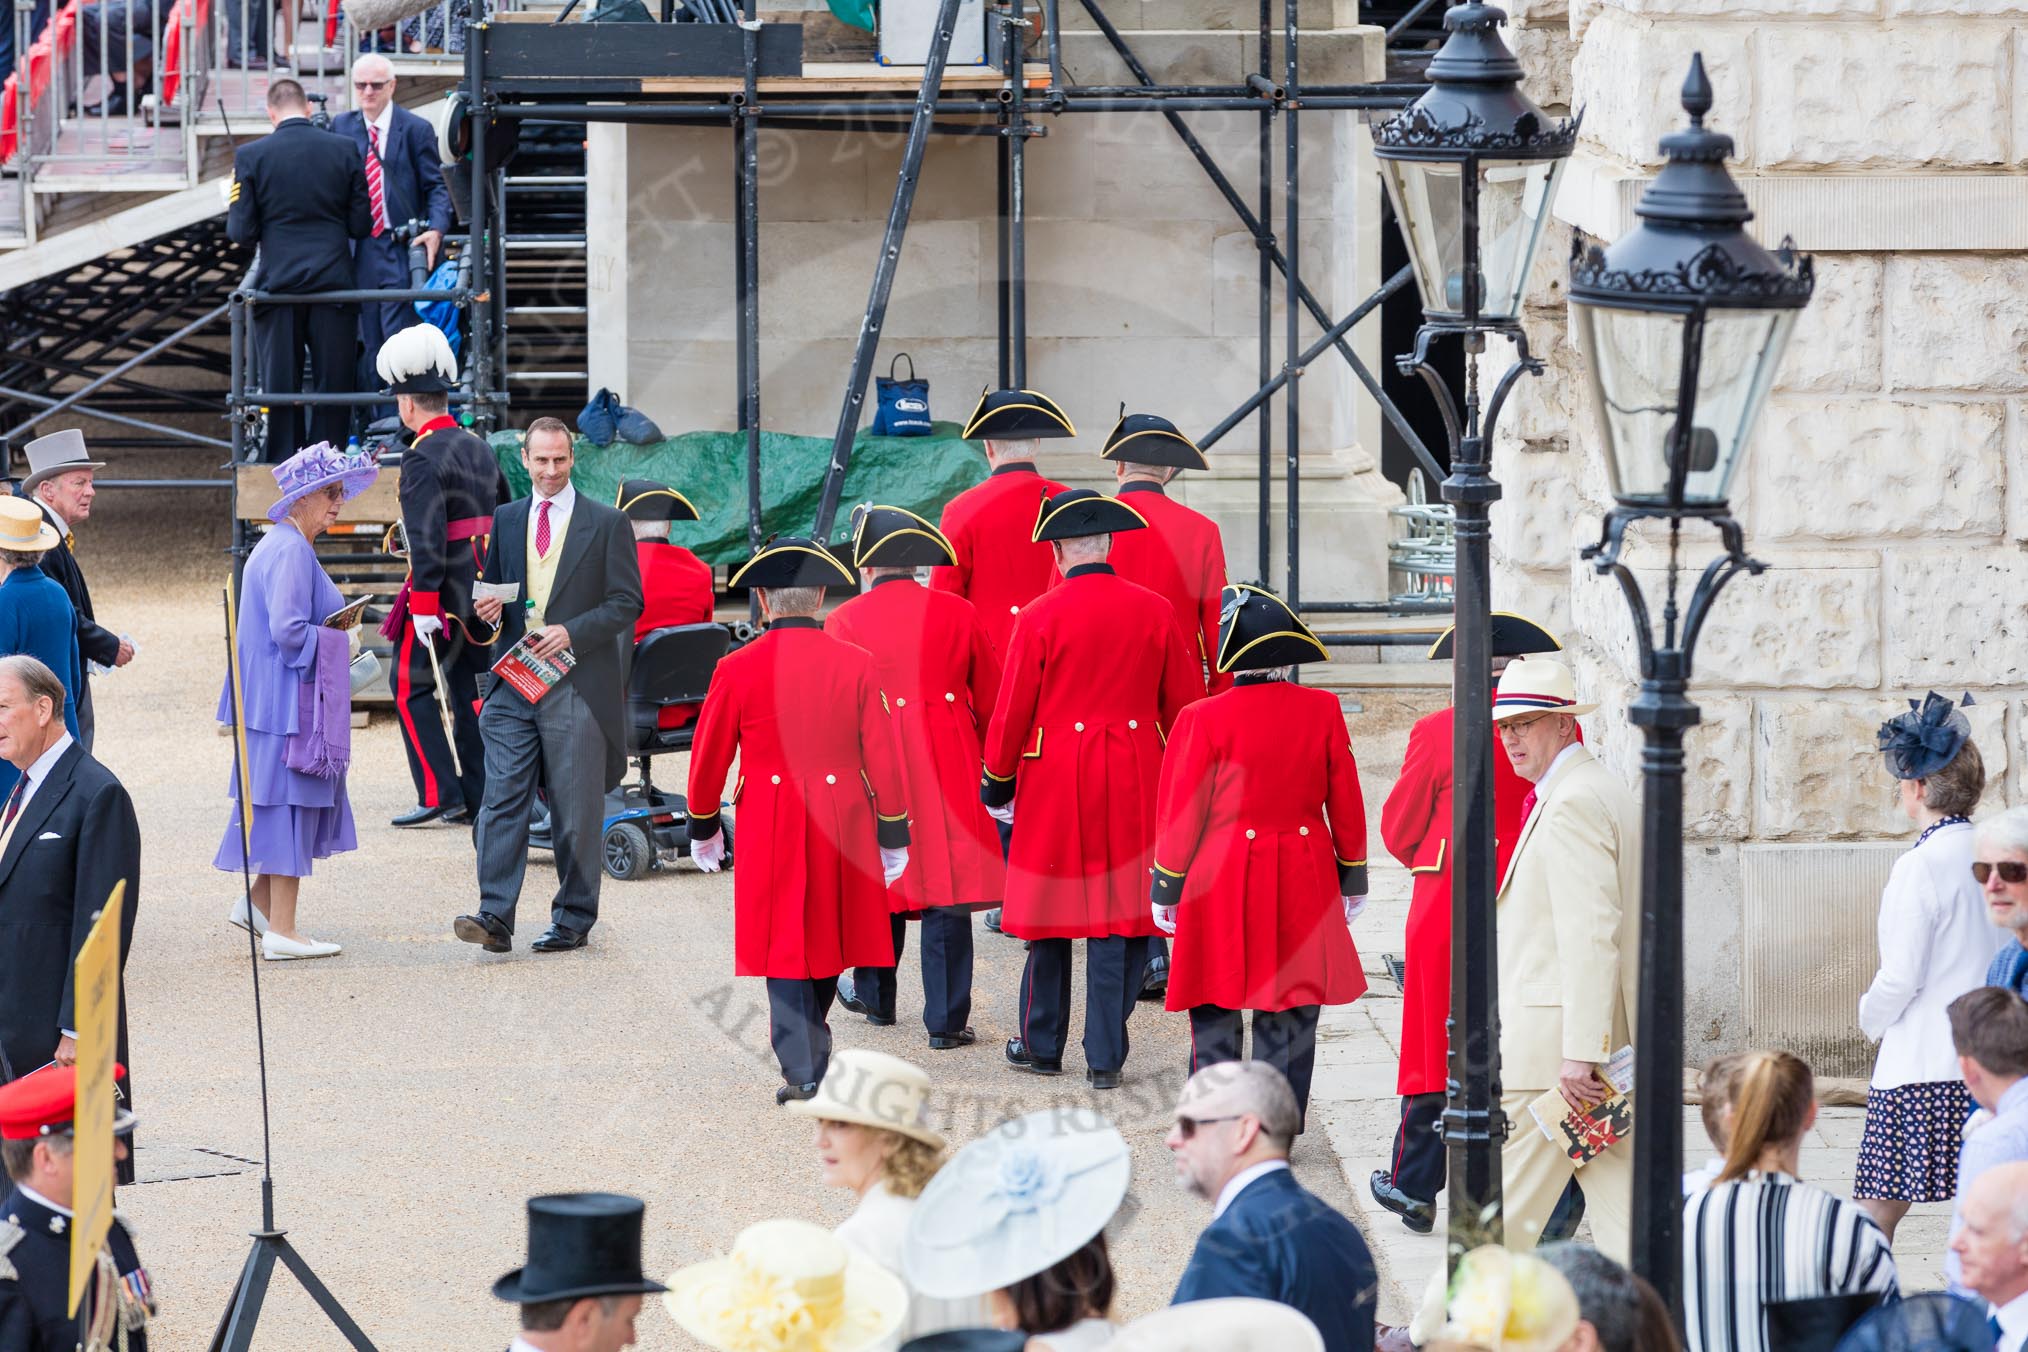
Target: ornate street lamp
column 1683, row 322
column 1472, row 168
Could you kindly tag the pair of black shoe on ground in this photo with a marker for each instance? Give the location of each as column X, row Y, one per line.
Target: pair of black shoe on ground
column 491, row 935
column 942, row 1042
column 1019, row 1057
column 460, row 815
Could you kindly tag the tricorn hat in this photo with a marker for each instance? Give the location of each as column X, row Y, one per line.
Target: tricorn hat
column 580, row 1244
column 417, row 360
column 1257, row 630
column 57, row 453
column 894, row 537
column 1513, row 636
column 792, row 561
column 1078, row 512
column 1148, row 440
column 646, row 500
column 1016, row 415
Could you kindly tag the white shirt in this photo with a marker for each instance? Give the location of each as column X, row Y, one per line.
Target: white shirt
column 37, row 1198
column 1235, row 1185
column 39, row 771
column 55, row 517
column 383, row 124
column 877, row 1229
column 560, row 508
column 1555, row 765
column 2013, row 1317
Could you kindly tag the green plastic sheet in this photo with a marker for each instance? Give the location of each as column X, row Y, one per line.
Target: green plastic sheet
column 709, row 468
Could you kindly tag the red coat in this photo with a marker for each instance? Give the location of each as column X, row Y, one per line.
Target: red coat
column 1249, row 780
column 1182, row 556
column 676, row 588
column 818, row 764
column 941, row 680
column 1415, row 824
column 999, row 569
column 1096, row 669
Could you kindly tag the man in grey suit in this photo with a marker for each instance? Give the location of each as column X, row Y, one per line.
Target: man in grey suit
column 580, row 592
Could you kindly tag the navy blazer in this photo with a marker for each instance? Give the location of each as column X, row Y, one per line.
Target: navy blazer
column 411, row 173
column 1279, row 1242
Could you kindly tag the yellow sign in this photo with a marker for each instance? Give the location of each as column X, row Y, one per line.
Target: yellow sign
column 98, row 1015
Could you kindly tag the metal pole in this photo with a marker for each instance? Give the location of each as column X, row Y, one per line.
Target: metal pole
column 1292, row 314
column 97, row 382
column 1002, row 154
column 1264, row 239
column 748, row 185
column 481, row 245
column 1017, row 199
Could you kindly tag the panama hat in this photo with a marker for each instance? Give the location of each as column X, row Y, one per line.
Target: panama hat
column 787, row 1283
column 1229, row 1324
column 580, row 1244
column 873, row 1089
column 57, row 453
column 24, row 529
column 1536, row 685
column 1015, row 1202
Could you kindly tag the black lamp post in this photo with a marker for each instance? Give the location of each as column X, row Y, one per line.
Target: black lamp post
column 1683, row 322
column 1472, row 167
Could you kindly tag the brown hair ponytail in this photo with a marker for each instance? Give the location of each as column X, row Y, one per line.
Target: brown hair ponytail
column 1772, row 1093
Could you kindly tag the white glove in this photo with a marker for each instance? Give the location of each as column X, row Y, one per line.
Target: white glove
column 709, row 855
column 427, row 627
column 1003, row 814
column 893, row 863
column 1353, row 906
column 1165, row 917
column 352, row 641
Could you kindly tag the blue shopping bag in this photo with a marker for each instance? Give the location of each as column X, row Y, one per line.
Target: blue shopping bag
column 902, row 405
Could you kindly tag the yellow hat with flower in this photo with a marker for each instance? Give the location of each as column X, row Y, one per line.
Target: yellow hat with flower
column 787, row 1286
column 1503, row 1302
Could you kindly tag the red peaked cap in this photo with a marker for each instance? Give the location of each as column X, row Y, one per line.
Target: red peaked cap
column 43, row 1103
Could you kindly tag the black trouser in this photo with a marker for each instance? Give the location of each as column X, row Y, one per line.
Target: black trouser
column 1284, row 1038
column 1421, row 1162
column 946, row 971
column 1113, row 967
column 797, row 1029
column 282, row 335
column 437, row 783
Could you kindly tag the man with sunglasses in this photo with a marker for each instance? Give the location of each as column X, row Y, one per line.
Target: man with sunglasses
column 2000, row 865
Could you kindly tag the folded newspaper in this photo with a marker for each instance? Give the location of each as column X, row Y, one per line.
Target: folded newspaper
column 533, row 676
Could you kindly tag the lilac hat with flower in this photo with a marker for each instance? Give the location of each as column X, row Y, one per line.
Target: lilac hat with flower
column 1927, row 738
column 1015, row 1202
column 319, row 466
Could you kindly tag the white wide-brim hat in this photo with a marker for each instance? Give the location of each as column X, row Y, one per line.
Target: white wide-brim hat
column 1015, row 1202
column 24, row 529
column 1537, row 685
column 787, row 1283
column 57, row 453
column 1229, row 1324
column 873, row 1089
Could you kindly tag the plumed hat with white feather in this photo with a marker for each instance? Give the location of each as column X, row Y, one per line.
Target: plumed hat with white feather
column 417, row 360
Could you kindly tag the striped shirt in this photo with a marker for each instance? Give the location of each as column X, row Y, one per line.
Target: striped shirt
column 1764, row 1238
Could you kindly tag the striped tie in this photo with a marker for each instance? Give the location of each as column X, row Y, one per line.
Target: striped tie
column 376, row 190
column 13, row 810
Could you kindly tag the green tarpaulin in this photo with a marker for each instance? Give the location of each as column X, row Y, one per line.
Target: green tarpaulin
column 709, row 468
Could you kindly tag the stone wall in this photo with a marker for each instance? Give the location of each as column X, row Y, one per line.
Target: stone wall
column 1885, row 488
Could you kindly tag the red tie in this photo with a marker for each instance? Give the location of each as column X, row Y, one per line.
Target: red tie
column 376, row 190
column 1527, row 806
column 542, row 529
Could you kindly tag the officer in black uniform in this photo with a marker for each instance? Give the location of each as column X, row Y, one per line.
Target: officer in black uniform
column 300, row 194
column 450, row 484
column 35, row 1220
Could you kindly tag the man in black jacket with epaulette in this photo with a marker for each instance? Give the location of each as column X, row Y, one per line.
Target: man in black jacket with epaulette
column 300, row 194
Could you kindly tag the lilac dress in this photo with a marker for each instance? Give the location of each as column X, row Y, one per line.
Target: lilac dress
column 297, row 817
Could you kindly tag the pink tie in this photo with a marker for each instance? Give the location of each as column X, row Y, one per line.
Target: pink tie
column 1527, row 806
column 376, row 189
column 542, row 529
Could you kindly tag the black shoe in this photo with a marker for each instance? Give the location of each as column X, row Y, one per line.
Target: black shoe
column 1102, row 1079
column 460, row 816
column 1155, row 981
column 558, row 939
column 859, row 1006
column 1018, row 1057
column 484, row 931
column 1419, row 1217
column 419, row 816
column 943, row 1042
column 993, row 921
column 794, row 1091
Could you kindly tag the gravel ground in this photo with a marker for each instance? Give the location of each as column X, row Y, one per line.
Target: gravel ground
column 421, row 1090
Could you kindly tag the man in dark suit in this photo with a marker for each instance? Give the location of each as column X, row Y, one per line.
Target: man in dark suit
column 300, row 194
column 60, row 483
column 573, row 559
column 1269, row 1237
column 67, row 836
column 404, row 182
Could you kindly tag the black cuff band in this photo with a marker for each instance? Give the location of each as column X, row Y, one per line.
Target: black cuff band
column 704, row 828
column 893, row 834
column 1167, row 888
column 995, row 792
column 1351, row 880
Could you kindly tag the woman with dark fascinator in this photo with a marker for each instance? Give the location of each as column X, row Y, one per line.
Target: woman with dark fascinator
column 1935, row 944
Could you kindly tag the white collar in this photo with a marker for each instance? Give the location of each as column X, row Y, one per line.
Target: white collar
column 561, row 503
column 45, row 763
column 521, row 1344
column 383, row 124
column 1235, row 1185
column 51, row 513
column 1562, row 758
column 2013, row 1317
column 41, row 1201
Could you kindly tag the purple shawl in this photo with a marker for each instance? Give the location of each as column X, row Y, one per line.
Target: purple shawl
column 322, row 742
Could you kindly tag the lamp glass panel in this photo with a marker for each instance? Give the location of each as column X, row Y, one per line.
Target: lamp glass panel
column 1514, row 201
column 1429, row 205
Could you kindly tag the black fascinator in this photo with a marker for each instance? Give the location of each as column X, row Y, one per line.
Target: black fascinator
column 1924, row 740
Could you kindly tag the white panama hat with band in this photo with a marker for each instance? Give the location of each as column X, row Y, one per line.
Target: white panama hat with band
column 1537, row 685
column 873, row 1089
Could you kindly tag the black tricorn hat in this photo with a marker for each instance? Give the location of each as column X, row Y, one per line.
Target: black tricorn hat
column 646, row 500
column 1077, row 512
column 1148, row 440
column 1016, row 415
column 1513, row 636
column 894, row 537
column 580, row 1244
column 792, row 561
column 967, row 1340
column 1257, row 630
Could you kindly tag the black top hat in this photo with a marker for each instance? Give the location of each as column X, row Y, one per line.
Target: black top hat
column 580, row 1244
column 968, row 1340
column 1148, row 440
column 792, row 561
column 1016, row 415
column 646, row 500
column 894, row 537
column 1257, row 630
column 1513, row 636
column 1077, row 512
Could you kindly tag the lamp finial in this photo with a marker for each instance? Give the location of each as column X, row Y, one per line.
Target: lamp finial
column 1696, row 91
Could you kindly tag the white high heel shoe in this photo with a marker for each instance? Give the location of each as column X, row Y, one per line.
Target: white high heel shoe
column 240, row 912
column 276, row 948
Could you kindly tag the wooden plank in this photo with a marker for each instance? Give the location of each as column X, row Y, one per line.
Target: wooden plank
column 380, row 504
column 847, row 77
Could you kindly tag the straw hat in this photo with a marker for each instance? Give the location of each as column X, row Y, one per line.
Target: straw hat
column 24, row 529
column 1230, row 1324
column 873, row 1089
column 1537, row 685
column 787, row 1284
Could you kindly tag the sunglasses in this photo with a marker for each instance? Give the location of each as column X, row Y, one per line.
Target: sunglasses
column 2011, row 871
column 1187, row 1126
column 371, row 86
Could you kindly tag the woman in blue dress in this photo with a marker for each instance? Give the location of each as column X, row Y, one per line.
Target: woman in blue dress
column 36, row 617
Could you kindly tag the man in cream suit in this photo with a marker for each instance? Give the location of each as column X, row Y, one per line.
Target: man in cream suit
column 1569, row 951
